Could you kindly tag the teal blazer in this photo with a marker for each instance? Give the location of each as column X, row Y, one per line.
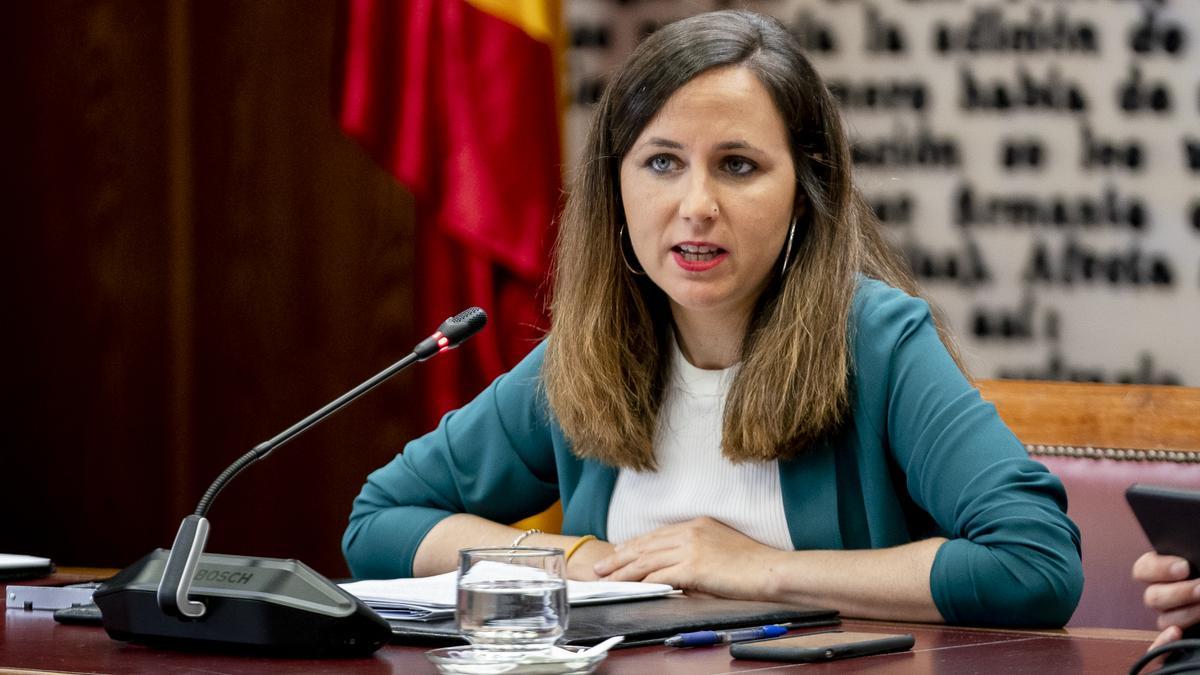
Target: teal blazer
column 922, row 455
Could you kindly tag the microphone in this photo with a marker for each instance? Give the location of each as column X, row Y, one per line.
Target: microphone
column 186, row 598
column 452, row 333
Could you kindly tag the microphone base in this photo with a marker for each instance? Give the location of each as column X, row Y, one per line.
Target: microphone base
column 264, row 606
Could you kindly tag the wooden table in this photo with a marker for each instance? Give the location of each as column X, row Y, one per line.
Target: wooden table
column 33, row 640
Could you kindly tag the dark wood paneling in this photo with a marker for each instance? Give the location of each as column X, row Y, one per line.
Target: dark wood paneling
column 164, row 328
column 87, row 260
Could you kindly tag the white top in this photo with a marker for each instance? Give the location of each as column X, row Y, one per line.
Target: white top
column 694, row 478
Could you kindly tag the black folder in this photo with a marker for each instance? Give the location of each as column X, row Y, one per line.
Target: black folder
column 641, row 621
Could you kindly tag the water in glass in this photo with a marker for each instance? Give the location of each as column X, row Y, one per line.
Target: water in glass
column 512, row 599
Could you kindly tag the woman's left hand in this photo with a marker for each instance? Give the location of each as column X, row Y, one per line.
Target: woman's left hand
column 702, row 555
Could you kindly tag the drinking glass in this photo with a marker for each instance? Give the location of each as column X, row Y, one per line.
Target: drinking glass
column 512, row 598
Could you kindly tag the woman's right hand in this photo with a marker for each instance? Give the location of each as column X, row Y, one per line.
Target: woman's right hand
column 1171, row 593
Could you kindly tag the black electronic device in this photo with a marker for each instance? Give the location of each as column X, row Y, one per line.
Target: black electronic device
column 186, row 598
column 825, row 646
column 84, row 615
column 1169, row 517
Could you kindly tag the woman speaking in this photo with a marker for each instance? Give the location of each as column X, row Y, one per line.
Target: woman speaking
column 741, row 393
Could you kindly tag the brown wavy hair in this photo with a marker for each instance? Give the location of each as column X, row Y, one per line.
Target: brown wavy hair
column 607, row 353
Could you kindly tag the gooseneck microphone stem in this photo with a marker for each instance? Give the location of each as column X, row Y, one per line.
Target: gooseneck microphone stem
column 263, row 449
column 176, row 582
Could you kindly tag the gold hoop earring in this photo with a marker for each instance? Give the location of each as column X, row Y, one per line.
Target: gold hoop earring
column 636, row 271
column 787, row 251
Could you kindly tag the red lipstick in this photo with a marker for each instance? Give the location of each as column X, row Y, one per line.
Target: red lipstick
column 698, row 256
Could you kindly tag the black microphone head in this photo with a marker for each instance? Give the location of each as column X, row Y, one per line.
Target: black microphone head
column 463, row 325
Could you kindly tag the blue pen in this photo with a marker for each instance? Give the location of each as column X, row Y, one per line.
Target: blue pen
column 716, row 637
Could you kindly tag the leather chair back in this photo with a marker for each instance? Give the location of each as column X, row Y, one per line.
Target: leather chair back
column 1100, row 439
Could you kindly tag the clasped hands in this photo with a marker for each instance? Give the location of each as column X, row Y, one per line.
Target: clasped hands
column 702, row 556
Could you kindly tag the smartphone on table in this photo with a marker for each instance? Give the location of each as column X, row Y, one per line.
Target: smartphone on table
column 825, row 646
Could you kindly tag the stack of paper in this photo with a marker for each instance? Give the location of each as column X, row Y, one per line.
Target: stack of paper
column 432, row 598
column 23, row 566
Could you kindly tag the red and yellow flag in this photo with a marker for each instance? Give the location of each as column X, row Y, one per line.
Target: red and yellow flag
column 460, row 99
